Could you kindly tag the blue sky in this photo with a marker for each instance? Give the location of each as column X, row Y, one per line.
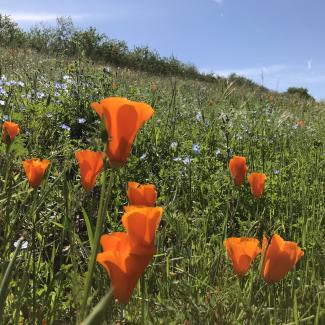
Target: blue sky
column 277, row 42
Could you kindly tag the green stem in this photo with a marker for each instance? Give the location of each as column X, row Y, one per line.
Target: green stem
column 67, row 229
column 95, row 317
column 7, row 277
column 34, row 255
column 143, row 303
column 105, row 197
column 7, row 168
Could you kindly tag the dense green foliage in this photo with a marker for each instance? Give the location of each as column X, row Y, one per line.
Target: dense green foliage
column 190, row 280
column 66, row 39
column 300, row 92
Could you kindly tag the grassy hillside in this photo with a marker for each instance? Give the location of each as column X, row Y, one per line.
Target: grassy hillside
column 184, row 150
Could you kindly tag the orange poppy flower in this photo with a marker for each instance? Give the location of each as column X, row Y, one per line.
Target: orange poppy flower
column 242, row 251
column 123, row 267
column 301, row 123
column 91, row 164
column 123, row 119
column 35, row 170
column 141, row 225
column 279, row 258
column 257, row 182
column 238, row 169
column 10, row 131
column 142, row 195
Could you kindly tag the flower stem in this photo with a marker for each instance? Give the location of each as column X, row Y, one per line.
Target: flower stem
column 105, row 197
column 7, row 277
column 143, row 288
column 97, row 313
column 34, row 255
column 7, row 168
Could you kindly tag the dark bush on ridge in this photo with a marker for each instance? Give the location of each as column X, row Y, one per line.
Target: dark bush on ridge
column 300, row 92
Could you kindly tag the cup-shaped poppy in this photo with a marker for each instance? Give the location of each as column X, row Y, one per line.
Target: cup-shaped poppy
column 10, row 131
column 123, row 267
column 141, row 225
column 35, row 170
column 279, row 258
column 91, row 164
column 238, row 169
column 123, row 119
column 142, row 195
column 257, row 182
column 242, row 251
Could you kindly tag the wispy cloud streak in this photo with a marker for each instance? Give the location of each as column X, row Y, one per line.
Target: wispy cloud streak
column 35, row 17
column 253, row 72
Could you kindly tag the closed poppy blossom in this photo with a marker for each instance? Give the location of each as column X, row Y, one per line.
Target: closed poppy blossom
column 279, row 257
column 141, row 225
column 301, row 123
column 257, row 182
column 142, row 195
column 91, row 164
column 123, row 267
column 238, row 169
column 35, row 170
column 10, row 131
column 123, row 119
column 242, row 251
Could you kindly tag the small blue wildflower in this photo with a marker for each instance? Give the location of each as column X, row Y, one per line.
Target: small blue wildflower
column 276, row 171
column 5, row 117
column 187, row 160
column 56, row 94
column 177, row 159
column 21, row 83
column 2, row 102
column 199, row 116
column 62, row 86
column 65, row 127
column 23, row 246
column 173, row 145
column 40, row 95
column 67, row 78
column 81, row 120
column 196, row 149
column 143, row 156
column 11, row 83
column 218, row 152
column 2, row 91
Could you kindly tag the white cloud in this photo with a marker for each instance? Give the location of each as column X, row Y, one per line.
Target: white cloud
column 253, row 72
column 280, row 76
column 219, row 2
column 309, row 64
column 30, row 17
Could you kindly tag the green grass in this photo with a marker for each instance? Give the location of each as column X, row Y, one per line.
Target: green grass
column 190, row 280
